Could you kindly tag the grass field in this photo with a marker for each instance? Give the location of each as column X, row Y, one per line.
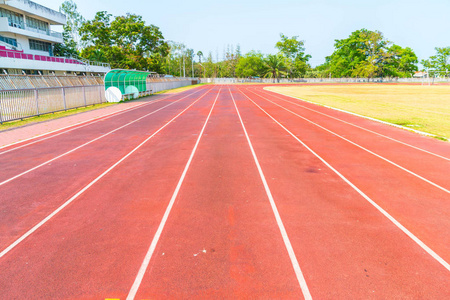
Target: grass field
column 424, row 108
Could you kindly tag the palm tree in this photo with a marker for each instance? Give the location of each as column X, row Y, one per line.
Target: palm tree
column 200, row 54
column 275, row 66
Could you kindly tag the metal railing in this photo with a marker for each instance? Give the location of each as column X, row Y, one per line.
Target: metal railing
column 56, row 34
column 16, row 82
column 24, row 103
column 17, row 54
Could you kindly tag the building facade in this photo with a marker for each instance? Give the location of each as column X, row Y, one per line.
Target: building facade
column 27, row 40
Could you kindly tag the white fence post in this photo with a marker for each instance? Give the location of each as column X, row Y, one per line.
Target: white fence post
column 36, row 97
column 84, row 95
column 64, row 97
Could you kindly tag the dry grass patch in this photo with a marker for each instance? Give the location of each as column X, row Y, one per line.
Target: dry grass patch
column 425, row 108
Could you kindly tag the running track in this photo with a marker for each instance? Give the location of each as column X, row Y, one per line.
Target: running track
column 226, row 192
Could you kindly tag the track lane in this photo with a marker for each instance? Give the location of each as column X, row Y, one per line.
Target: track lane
column 221, row 240
column 20, row 162
column 94, row 247
column 418, row 163
column 60, row 131
column 403, row 137
column 400, row 194
column 348, row 249
column 30, row 198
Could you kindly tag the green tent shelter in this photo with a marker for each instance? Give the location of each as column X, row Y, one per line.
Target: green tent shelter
column 127, row 81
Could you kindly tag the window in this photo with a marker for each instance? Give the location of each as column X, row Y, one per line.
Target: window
column 38, row 25
column 14, row 19
column 10, row 41
column 40, row 46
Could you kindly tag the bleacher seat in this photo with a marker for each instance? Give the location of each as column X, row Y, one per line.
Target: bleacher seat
column 4, row 52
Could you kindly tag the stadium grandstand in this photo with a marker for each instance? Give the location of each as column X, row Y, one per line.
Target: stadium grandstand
column 27, row 40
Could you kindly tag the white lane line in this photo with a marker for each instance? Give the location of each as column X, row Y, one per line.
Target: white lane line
column 361, row 116
column 151, row 250
column 90, row 142
column 287, row 242
column 94, row 120
column 37, row 226
column 385, row 213
column 361, row 147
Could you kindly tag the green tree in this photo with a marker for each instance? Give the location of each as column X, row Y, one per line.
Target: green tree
column 439, row 62
column 251, row 65
column 126, row 42
column 275, row 66
column 293, row 51
column 361, row 54
column 292, row 48
column 96, row 33
column 228, row 65
column 401, row 62
column 367, row 53
column 200, row 55
column 71, row 38
column 210, row 67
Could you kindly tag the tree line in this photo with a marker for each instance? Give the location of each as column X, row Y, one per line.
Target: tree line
column 127, row 42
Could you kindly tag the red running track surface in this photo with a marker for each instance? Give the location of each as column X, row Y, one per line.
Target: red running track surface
column 226, row 192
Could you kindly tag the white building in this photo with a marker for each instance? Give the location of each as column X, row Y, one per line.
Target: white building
column 26, row 41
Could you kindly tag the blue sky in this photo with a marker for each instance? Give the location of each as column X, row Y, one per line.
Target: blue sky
column 256, row 25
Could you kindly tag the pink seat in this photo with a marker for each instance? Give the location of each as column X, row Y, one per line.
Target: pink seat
column 3, row 54
column 2, row 48
column 23, row 56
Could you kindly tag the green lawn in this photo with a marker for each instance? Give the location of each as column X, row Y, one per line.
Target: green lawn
column 425, row 108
